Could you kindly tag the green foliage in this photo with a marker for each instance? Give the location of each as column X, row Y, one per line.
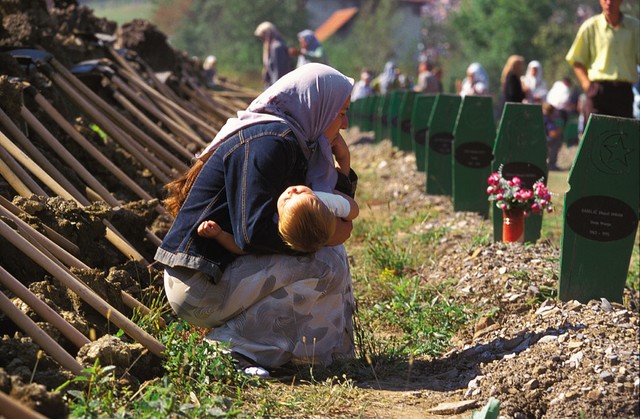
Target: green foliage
column 225, row 28
column 489, row 31
column 423, row 317
column 101, row 394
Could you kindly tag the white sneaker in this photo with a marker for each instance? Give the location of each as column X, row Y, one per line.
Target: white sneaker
column 256, row 372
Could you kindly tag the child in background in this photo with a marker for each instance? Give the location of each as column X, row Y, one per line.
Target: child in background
column 306, row 219
column 553, row 130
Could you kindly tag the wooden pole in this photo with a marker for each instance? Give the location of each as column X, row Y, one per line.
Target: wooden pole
column 26, row 161
column 177, row 129
column 23, row 184
column 11, row 408
column 151, row 125
column 51, row 234
column 91, row 149
column 84, row 292
column 157, row 96
column 155, row 166
column 43, row 340
column 68, row 191
column 41, row 309
column 74, row 164
column 68, row 158
column 59, row 255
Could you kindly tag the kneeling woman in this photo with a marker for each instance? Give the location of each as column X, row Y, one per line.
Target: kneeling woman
column 273, row 305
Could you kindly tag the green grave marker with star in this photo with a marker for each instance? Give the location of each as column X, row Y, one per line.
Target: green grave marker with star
column 601, row 211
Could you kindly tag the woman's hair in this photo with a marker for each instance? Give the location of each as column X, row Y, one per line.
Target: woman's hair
column 307, row 225
column 509, row 67
column 178, row 189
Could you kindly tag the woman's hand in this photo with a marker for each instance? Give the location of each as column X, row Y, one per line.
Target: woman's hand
column 341, row 152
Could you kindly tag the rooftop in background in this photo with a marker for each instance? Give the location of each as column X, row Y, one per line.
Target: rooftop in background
column 336, row 21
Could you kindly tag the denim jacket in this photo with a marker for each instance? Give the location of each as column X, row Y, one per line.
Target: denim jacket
column 238, row 188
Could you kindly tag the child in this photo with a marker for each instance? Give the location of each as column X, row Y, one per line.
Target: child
column 553, row 130
column 306, row 219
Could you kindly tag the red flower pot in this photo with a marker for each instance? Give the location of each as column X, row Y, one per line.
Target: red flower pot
column 513, row 225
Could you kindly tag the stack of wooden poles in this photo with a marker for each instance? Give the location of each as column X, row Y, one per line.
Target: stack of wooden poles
column 160, row 126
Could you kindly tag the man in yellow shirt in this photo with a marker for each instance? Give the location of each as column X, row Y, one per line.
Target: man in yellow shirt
column 604, row 57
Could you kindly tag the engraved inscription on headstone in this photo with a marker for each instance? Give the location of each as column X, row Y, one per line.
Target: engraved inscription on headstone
column 474, row 155
column 441, row 142
column 601, row 218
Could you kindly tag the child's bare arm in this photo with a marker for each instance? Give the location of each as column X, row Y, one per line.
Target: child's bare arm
column 211, row 230
column 341, row 205
column 354, row 209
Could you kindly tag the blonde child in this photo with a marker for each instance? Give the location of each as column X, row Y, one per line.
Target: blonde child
column 306, row 219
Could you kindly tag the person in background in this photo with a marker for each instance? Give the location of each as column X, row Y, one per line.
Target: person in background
column 363, row 87
column 560, row 97
column 427, row 80
column 510, row 83
column 476, row 83
column 310, row 50
column 275, row 54
column 437, row 71
column 553, row 131
column 209, row 67
column 533, row 83
column 273, row 305
column 604, row 56
column 636, row 96
column 388, row 80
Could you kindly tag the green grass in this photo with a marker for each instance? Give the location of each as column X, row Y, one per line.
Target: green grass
column 122, row 13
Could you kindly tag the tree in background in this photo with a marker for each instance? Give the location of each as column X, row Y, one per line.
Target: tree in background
column 489, row 31
column 225, row 29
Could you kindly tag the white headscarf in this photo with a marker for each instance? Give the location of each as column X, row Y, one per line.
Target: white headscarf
column 307, row 99
column 535, row 84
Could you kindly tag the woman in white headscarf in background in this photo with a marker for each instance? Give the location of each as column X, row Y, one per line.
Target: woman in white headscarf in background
column 533, row 84
column 477, row 81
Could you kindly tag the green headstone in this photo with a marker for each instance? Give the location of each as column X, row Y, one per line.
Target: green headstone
column 406, row 109
column 420, row 116
column 601, row 211
column 354, row 113
column 474, row 135
column 395, row 100
column 521, row 147
column 381, row 119
column 369, row 112
column 440, row 141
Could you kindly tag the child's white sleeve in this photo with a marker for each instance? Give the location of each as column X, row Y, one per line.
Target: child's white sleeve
column 339, row 205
